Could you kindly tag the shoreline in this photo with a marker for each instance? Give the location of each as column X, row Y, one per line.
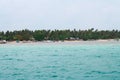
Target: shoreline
column 66, row 42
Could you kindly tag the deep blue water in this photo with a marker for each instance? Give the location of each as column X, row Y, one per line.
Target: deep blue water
column 60, row 62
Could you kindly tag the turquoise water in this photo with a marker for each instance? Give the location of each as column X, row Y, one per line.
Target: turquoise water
column 60, row 62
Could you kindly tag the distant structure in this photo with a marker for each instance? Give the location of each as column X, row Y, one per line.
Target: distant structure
column 3, row 41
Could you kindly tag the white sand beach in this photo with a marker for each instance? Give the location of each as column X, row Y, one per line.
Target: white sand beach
column 66, row 42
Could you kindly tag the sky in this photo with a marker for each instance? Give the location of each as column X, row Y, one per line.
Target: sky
column 59, row 14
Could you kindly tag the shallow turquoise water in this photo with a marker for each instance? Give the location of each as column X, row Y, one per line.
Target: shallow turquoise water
column 60, row 62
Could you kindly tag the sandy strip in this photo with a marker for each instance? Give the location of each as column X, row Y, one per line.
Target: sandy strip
column 76, row 42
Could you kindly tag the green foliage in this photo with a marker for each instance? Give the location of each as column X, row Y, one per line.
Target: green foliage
column 39, row 35
column 18, row 37
column 56, row 35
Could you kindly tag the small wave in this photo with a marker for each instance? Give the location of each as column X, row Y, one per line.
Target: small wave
column 64, row 70
column 70, row 78
column 102, row 72
column 54, row 76
column 20, row 79
column 55, row 55
column 51, row 67
column 88, row 76
column 19, row 59
column 7, row 59
column 12, row 59
column 16, row 74
column 38, row 72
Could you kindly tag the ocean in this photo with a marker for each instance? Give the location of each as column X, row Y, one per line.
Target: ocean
column 60, row 62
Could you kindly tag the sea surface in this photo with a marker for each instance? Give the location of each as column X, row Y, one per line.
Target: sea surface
column 60, row 62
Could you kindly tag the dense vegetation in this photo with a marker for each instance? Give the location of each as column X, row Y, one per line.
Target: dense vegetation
column 56, row 35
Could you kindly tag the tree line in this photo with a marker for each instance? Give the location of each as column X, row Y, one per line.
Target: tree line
column 55, row 35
